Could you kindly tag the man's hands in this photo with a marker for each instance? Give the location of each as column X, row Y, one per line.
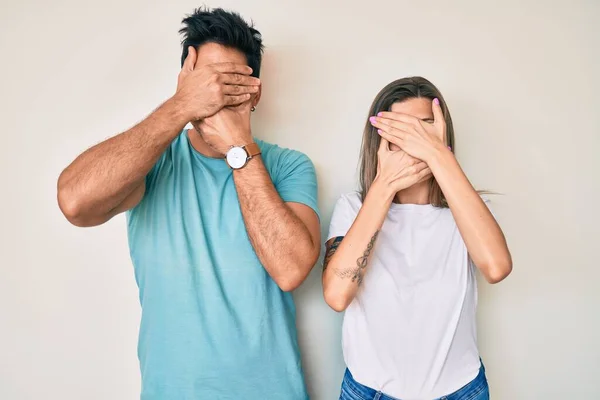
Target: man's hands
column 396, row 170
column 228, row 127
column 203, row 91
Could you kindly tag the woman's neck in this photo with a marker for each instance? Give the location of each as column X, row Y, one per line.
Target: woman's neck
column 416, row 194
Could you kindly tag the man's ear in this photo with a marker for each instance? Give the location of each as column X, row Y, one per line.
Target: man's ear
column 256, row 98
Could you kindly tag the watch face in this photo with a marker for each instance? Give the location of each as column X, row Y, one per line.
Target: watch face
column 236, row 157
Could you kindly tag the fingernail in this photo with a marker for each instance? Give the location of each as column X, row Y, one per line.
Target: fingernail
column 379, row 114
column 373, row 120
column 379, row 131
column 436, row 101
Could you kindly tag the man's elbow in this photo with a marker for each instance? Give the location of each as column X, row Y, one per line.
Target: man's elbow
column 294, row 277
column 290, row 282
column 298, row 273
column 72, row 208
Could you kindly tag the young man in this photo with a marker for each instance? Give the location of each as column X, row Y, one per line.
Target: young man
column 221, row 226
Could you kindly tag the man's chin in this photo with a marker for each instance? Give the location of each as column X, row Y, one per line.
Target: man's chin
column 198, row 131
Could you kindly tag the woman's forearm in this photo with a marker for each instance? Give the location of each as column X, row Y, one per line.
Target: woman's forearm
column 483, row 237
column 347, row 260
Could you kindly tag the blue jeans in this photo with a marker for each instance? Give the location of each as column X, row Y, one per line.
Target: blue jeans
column 477, row 389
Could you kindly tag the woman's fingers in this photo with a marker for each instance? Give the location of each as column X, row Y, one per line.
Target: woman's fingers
column 395, row 119
column 420, row 167
column 438, row 115
column 397, row 137
column 384, row 145
column 424, row 175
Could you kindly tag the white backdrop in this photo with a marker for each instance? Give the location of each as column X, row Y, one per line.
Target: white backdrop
column 521, row 79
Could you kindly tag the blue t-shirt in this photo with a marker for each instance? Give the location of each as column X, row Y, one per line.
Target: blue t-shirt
column 214, row 324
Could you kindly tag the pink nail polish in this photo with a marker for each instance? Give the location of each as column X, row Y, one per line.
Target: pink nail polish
column 379, row 114
column 436, row 101
column 373, row 120
column 379, row 131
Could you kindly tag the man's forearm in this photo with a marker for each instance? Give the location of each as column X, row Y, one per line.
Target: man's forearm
column 104, row 175
column 281, row 240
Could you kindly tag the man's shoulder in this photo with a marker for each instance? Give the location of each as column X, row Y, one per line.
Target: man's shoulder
column 275, row 156
column 272, row 148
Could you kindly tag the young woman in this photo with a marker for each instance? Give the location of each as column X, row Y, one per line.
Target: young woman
column 402, row 253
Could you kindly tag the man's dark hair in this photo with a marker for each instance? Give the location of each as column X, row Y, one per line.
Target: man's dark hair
column 225, row 28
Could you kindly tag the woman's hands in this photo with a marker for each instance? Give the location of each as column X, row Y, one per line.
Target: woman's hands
column 396, row 170
column 420, row 139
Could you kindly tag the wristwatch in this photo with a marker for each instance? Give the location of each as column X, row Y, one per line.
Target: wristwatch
column 238, row 156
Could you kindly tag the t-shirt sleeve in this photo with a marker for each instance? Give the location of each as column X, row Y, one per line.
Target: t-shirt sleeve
column 342, row 219
column 152, row 175
column 297, row 181
column 150, row 182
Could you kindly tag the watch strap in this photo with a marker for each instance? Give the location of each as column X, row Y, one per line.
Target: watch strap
column 252, row 149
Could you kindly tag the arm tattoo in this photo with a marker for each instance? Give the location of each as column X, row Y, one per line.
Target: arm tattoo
column 358, row 273
column 331, row 250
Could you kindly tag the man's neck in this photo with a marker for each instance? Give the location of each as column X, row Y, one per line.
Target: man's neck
column 200, row 145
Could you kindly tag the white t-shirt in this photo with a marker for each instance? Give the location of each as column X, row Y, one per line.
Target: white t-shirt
column 410, row 331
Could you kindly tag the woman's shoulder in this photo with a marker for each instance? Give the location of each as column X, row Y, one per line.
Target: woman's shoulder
column 351, row 198
column 350, row 202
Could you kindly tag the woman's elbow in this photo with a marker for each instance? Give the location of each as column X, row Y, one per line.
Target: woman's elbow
column 497, row 271
column 336, row 301
column 337, row 305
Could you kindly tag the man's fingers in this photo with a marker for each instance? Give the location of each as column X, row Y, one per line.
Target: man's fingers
column 239, row 79
column 190, row 60
column 188, row 66
column 238, row 89
column 236, row 100
column 231, row 68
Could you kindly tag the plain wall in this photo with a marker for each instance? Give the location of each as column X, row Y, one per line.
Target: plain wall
column 521, row 80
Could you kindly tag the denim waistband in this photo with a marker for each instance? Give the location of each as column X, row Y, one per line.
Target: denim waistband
column 364, row 392
column 358, row 389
